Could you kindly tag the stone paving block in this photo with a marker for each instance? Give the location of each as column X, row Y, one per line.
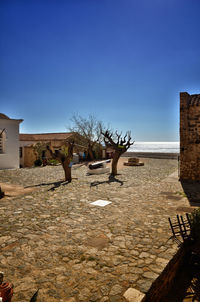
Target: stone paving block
column 80, row 252
column 133, row 295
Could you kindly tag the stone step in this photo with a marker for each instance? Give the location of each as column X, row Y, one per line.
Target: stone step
column 134, row 164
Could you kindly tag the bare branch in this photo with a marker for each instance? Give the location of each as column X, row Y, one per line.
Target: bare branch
column 108, row 138
column 122, row 143
column 90, row 129
column 118, row 143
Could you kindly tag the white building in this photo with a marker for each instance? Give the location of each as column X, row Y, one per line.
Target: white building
column 9, row 142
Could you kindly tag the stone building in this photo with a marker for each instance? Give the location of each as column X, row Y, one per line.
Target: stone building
column 28, row 154
column 189, row 137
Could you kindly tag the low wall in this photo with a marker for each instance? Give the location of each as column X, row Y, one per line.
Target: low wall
column 157, row 155
column 163, row 284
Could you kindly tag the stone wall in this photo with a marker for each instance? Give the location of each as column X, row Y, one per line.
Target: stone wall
column 163, row 284
column 29, row 156
column 189, row 136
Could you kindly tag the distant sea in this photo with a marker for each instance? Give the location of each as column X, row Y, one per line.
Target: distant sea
column 155, row 147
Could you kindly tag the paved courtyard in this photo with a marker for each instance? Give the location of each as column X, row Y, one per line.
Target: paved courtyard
column 53, row 239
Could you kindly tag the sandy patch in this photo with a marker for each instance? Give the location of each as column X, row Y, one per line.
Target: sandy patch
column 15, row 190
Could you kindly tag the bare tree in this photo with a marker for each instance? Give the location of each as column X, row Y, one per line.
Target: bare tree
column 64, row 157
column 90, row 128
column 119, row 144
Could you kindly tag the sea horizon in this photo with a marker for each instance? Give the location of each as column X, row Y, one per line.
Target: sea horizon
column 155, row 147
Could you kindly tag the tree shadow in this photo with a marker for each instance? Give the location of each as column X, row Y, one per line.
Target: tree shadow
column 110, row 180
column 55, row 184
column 192, row 192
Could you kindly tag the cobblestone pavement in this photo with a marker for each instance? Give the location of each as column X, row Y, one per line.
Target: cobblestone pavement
column 54, row 240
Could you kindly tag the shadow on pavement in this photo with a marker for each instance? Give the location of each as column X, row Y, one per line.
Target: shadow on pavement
column 192, row 192
column 110, row 180
column 56, row 184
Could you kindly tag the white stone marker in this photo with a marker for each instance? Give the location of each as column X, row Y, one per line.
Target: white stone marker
column 100, row 203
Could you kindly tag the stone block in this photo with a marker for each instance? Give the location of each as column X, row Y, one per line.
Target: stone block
column 133, row 160
column 133, row 295
column 133, row 164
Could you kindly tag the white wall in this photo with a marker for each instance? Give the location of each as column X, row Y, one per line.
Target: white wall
column 10, row 159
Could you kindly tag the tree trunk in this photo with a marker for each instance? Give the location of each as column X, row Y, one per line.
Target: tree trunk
column 90, row 153
column 67, row 169
column 119, row 147
column 116, row 157
column 65, row 160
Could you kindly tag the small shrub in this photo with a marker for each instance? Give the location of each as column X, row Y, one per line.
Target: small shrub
column 38, row 162
column 91, row 258
column 195, row 224
column 52, row 162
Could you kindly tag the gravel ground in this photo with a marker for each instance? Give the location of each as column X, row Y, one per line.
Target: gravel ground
column 55, row 240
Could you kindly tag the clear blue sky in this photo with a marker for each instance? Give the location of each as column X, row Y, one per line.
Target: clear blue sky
column 124, row 61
